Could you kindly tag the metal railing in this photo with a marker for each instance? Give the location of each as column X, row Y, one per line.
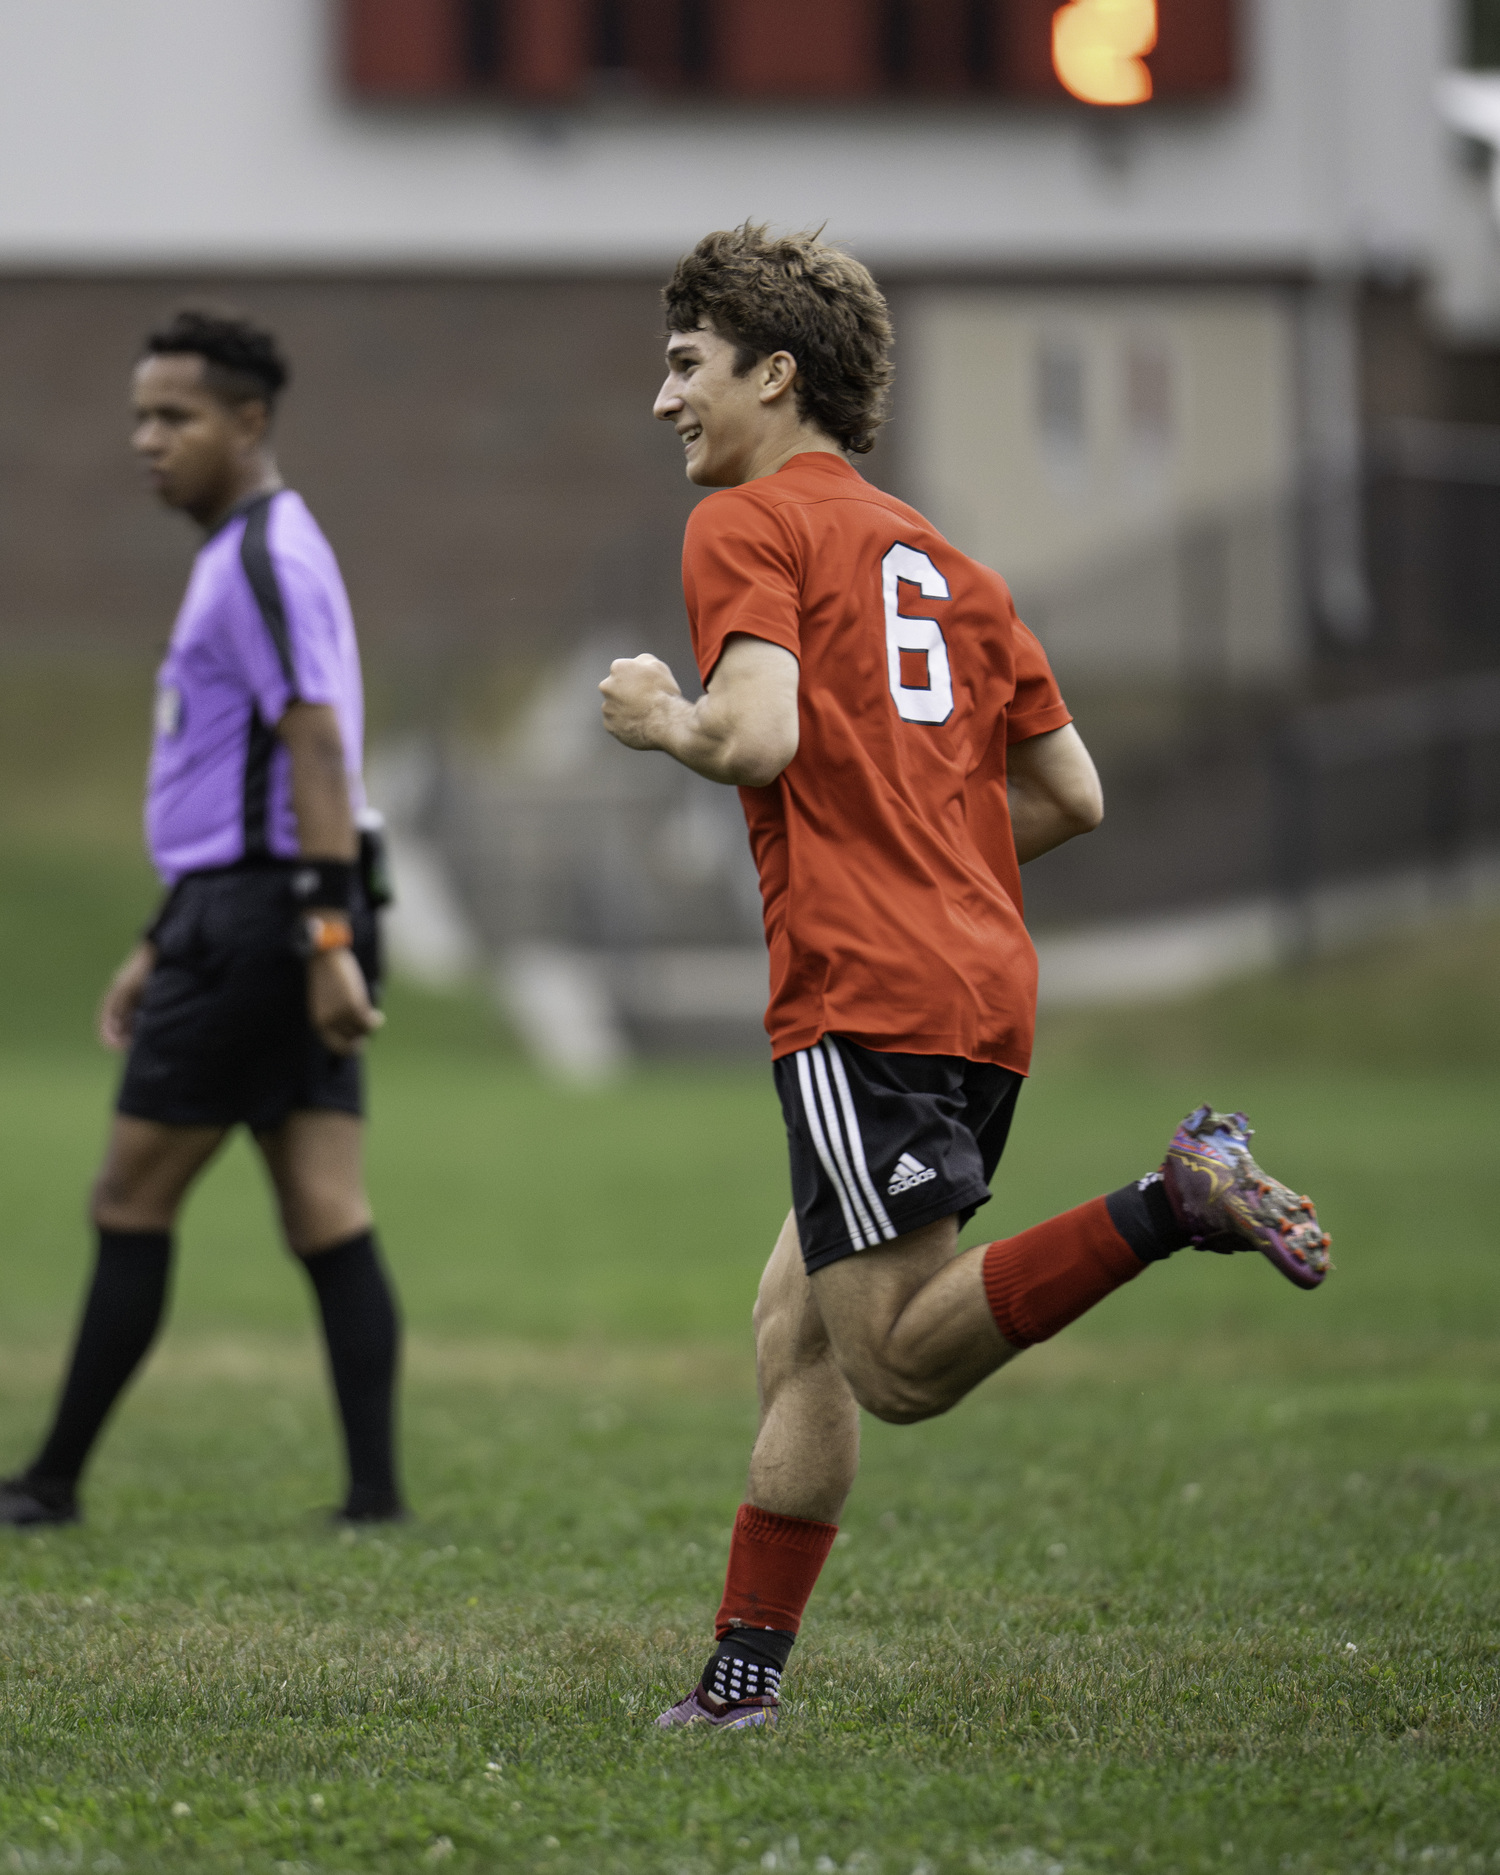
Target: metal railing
column 1408, row 781
column 1279, row 809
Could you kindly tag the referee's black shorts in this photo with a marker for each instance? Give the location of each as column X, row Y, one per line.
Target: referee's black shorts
column 222, row 1036
column 882, row 1144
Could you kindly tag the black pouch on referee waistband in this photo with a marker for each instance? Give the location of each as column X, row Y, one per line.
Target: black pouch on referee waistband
column 374, row 861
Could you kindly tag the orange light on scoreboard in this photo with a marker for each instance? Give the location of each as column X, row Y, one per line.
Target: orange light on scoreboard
column 1099, row 49
column 1118, row 53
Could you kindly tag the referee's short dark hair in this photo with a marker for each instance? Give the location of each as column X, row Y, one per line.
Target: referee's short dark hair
column 242, row 362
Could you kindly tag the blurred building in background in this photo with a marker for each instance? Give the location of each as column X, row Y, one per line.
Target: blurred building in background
column 1198, row 307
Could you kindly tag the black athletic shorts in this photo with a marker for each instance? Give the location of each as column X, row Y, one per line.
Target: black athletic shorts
column 222, row 1036
column 882, row 1144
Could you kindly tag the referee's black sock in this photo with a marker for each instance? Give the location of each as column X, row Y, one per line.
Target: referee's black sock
column 363, row 1335
column 125, row 1304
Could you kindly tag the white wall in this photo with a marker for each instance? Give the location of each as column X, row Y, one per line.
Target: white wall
column 1000, row 480
column 139, row 132
column 1147, row 532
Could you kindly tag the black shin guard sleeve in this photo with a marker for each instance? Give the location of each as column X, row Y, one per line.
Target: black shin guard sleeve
column 1142, row 1213
column 363, row 1334
column 123, row 1311
column 748, row 1664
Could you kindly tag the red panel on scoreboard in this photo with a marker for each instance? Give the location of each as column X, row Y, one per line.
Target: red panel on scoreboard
column 546, row 47
column 797, row 48
column 1197, row 43
column 656, row 46
column 402, row 48
column 936, row 46
column 1021, row 32
column 1194, row 55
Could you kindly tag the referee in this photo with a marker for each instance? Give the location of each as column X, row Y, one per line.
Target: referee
column 248, row 999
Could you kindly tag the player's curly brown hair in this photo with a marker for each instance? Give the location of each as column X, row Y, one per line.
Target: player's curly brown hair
column 794, row 293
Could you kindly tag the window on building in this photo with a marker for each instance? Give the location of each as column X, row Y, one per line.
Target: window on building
column 1104, row 51
column 1062, row 409
column 1147, row 372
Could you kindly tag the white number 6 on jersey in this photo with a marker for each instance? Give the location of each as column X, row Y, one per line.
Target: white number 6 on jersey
column 916, row 651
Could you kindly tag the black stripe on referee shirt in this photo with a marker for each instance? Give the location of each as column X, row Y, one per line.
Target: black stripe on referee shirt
column 260, row 746
column 260, row 741
column 255, row 557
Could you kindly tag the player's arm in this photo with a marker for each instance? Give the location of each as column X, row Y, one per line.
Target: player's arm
column 741, row 731
column 338, row 998
column 1053, row 790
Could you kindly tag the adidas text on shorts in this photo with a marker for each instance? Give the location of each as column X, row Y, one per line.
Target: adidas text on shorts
column 882, row 1144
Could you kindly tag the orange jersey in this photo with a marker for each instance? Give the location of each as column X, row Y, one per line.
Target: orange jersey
column 887, row 867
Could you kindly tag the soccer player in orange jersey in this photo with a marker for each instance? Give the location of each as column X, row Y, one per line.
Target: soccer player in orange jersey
column 901, row 749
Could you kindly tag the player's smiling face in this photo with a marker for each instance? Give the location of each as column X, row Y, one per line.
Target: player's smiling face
column 191, row 443
column 722, row 418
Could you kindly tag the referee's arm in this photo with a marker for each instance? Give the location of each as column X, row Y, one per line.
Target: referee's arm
column 338, row 998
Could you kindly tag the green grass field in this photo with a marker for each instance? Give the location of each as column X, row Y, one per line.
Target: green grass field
column 1208, row 1582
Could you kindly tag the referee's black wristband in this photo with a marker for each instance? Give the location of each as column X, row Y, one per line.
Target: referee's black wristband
column 327, row 884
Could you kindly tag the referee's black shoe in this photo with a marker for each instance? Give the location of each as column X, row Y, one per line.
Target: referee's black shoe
column 25, row 1501
column 371, row 1507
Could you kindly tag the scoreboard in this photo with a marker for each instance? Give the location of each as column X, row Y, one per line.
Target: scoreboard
column 1108, row 54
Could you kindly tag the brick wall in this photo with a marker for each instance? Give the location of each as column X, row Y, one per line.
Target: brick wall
column 480, row 452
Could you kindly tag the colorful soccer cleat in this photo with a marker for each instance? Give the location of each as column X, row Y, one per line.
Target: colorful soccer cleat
column 736, row 1718
column 1220, row 1194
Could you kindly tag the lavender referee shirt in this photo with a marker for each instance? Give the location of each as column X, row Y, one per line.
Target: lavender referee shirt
column 265, row 622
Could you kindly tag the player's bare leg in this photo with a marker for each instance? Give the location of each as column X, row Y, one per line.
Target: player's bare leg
column 807, row 1448
column 910, row 1325
column 906, row 1343
column 906, row 1328
column 903, row 1331
column 315, row 1161
column 801, row 1469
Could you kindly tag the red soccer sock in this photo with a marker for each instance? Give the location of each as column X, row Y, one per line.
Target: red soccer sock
column 1051, row 1274
column 774, row 1563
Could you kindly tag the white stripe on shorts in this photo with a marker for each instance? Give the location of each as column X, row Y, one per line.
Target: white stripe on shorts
column 856, row 1140
column 825, row 1158
column 836, row 1140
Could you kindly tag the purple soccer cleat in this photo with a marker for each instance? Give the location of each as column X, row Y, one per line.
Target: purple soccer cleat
column 1220, row 1194
column 694, row 1710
